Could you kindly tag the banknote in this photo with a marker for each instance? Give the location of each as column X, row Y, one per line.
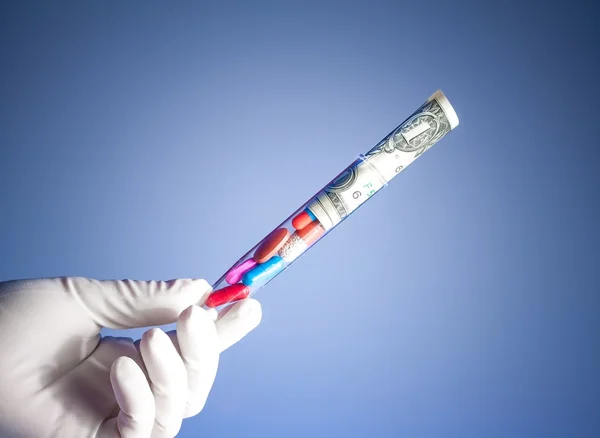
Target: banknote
column 363, row 178
column 346, row 193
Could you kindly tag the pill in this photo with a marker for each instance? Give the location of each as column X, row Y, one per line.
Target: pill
column 269, row 247
column 261, row 274
column 311, row 233
column 303, row 219
column 300, row 241
column 235, row 274
column 292, row 248
column 228, row 294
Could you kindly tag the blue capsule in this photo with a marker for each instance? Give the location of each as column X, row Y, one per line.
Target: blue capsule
column 311, row 214
column 261, row 274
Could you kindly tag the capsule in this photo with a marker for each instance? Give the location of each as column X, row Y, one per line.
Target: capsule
column 228, row 294
column 293, row 248
column 300, row 241
column 271, row 244
column 311, row 233
column 264, row 272
column 303, row 219
column 235, row 274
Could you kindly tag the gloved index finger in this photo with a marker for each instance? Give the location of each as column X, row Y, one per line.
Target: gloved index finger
column 124, row 304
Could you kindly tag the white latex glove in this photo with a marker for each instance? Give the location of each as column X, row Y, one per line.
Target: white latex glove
column 60, row 378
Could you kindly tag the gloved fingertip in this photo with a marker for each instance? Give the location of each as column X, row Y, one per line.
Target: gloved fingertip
column 212, row 313
column 191, row 312
column 153, row 336
column 251, row 310
column 123, row 366
column 202, row 285
column 196, row 319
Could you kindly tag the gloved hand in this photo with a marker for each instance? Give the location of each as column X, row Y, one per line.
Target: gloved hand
column 60, row 378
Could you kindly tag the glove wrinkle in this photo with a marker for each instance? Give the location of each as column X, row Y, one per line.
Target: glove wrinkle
column 74, row 291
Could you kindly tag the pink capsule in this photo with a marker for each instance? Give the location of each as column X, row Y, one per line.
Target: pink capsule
column 235, row 274
column 228, row 294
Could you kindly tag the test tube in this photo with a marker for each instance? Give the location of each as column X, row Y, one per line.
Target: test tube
column 335, row 202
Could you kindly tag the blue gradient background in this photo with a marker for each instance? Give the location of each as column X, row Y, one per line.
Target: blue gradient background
column 140, row 140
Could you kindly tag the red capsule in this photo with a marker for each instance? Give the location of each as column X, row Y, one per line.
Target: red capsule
column 301, row 220
column 228, row 294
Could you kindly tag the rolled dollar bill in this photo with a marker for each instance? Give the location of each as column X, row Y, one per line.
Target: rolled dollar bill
column 357, row 183
column 367, row 175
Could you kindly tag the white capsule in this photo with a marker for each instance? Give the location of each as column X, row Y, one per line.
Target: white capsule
column 292, row 249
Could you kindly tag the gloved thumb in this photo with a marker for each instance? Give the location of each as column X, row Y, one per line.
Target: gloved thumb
column 123, row 304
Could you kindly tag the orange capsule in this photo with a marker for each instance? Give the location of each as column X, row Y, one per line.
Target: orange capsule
column 228, row 294
column 269, row 247
column 311, row 232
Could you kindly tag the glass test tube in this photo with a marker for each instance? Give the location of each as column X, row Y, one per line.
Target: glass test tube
column 335, row 202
